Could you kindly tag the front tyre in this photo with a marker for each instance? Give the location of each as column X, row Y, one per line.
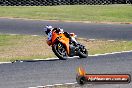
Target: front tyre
column 60, row 51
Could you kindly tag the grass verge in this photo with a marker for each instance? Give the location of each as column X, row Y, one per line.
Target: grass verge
column 109, row 13
column 26, row 47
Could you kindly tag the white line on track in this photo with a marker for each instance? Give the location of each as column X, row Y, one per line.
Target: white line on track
column 111, row 40
column 92, row 39
column 58, row 84
column 75, row 56
column 49, row 85
column 47, row 59
column 5, row 62
column 35, row 35
column 54, row 85
column 111, row 53
column 70, row 83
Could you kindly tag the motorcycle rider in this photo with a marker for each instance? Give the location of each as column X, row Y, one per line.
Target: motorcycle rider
column 48, row 30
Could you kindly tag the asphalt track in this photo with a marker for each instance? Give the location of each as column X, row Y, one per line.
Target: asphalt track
column 94, row 31
column 39, row 73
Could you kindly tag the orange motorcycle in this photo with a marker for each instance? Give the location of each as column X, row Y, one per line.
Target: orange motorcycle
column 64, row 48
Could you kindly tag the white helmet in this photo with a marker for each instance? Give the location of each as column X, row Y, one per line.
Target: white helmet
column 48, row 29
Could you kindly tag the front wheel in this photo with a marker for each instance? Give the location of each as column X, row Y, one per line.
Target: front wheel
column 60, row 51
column 83, row 53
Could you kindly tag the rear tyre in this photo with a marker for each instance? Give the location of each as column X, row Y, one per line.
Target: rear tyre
column 83, row 53
column 60, row 51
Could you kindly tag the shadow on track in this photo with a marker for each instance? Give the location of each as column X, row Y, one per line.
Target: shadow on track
column 20, row 61
column 42, row 60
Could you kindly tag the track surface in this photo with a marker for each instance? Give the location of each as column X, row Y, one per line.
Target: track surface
column 28, row 74
column 97, row 31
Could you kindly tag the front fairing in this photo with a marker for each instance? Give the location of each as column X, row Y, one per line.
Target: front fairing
column 61, row 38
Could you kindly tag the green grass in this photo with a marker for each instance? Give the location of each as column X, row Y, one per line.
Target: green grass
column 110, row 13
column 23, row 47
column 26, row 47
column 103, row 46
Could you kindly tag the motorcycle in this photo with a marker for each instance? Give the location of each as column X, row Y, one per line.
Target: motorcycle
column 63, row 48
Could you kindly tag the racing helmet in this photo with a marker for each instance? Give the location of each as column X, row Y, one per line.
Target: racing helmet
column 48, row 29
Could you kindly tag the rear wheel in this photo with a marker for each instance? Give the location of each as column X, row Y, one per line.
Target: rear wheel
column 83, row 53
column 60, row 51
